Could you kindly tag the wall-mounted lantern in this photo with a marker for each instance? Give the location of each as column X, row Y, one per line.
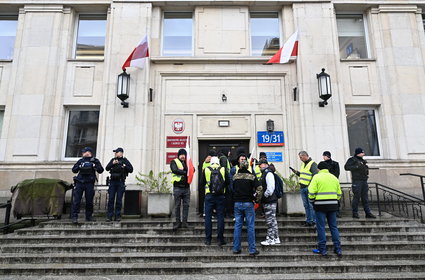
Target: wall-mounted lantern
column 324, row 84
column 123, row 88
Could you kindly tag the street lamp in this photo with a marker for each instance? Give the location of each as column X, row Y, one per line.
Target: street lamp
column 123, row 88
column 325, row 91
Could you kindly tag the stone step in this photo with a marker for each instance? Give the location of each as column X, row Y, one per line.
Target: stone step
column 166, row 238
column 206, row 257
column 303, row 276
column 67, row 246
column 201, row 229
column 253, row 267
column 159, row 223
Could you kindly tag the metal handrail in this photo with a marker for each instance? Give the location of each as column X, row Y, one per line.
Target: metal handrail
column 422, row 177
column 394, row 201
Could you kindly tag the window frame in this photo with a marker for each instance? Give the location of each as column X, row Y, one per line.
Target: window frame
column 366, row 35
column 68, row 109
column 16, row 34
column 75, row 37
column 376, row 109
column 193, row 34
column 280, row 21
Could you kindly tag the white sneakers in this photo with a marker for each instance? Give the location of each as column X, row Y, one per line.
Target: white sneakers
column 269, row 242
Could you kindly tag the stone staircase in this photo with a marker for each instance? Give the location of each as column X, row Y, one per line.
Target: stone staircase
column 385, row 248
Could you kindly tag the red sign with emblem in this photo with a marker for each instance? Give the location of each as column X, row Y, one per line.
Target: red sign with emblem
column 170, row 157
column 178, row 126
column 177, row 141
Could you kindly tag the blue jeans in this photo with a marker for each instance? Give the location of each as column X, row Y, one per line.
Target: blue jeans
column 321, row 233
column 309, row 211
column 244, row 210
column 88, row 189
column 360, row 190
column 116, row 189
column 214, row 202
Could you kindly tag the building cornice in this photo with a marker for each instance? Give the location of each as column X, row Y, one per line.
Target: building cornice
column 396, row 9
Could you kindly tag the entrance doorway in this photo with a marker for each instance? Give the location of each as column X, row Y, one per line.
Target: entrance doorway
column 232, row 145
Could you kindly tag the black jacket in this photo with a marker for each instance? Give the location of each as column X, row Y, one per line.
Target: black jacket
column 123, row 167
column 84, row 175
column 244, row 186
column 333, row 167
column 273, row 197
column 358, row 167
column 183, row 182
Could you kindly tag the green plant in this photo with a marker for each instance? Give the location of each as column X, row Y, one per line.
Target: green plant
column 291, row 183
column 159, row 183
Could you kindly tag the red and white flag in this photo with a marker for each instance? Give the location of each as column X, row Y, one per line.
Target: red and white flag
column 288, row 51
column 138, row 57
column 189, row 163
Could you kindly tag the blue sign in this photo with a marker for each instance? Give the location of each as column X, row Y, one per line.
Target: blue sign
column 274, row 156
column 274, row 138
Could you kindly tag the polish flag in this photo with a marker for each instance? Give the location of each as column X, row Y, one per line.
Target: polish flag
column 288, row 51
column 138, row 57
column 189, row 163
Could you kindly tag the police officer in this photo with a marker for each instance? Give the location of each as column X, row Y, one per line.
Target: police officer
column 215, row 189
column 359, row 175
column 86, row 167
column 324, row 192
column 119, row 167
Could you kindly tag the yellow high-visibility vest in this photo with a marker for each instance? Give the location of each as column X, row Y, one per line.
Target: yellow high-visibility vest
column 177, row 177
column 324, row 186
column 208, row 176
column 305, row 174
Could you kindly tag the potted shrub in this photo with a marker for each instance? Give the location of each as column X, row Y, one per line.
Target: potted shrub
column 158, row 188
column 292, row 202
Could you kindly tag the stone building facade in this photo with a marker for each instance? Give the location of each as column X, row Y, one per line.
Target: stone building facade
column 57, row 94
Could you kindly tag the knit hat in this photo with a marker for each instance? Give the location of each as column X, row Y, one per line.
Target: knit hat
column 263, row 154
column 322, row 165
column 327, row 154
column 358, row 151
column 241, row 155
column 182, row 152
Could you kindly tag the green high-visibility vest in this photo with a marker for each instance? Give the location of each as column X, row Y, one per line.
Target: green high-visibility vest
column 177, row 177
column 208, row 176
column 305, row 174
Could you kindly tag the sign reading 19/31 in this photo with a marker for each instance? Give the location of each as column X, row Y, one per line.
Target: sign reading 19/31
column 274, row 138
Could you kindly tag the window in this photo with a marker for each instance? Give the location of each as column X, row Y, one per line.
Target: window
column 265, row 33
column 351, row 37
column 177, row 34
column 1, row 119
column 362, row 130
column 91, row 36
column 81, row 132
column 8, row 26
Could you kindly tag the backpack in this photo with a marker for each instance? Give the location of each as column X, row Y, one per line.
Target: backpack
column 278, row 186
column 216, row 181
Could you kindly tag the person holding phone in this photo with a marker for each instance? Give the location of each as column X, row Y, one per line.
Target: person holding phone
column 307, row 170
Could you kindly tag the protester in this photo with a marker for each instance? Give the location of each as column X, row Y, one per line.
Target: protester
column 307, row 171
column 324, row 192
column 181, row 189
column 86, row 167
column 214, row 180
column 119, row 167
column 269, row 202
column 359, row 174
column 333, row 165
column 244, row 185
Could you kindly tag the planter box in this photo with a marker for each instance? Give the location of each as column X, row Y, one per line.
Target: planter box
column 160, row 204
column 292, row 204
